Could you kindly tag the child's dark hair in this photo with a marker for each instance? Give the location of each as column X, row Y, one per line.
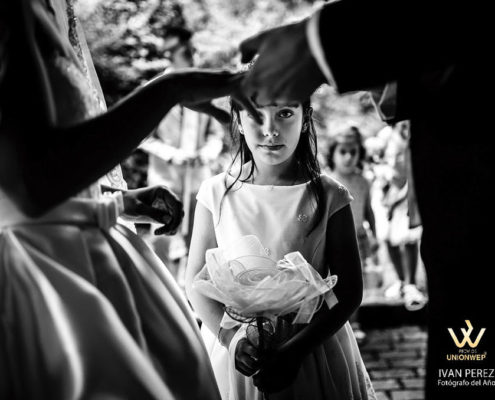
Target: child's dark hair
column 351, row 133
column 305, row 155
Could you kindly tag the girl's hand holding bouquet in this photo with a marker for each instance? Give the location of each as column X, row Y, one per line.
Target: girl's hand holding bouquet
column 278, row 368
column 269, row 300
column 247, row 360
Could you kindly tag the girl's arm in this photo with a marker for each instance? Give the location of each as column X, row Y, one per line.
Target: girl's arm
column 280, row 369
column 369, row 215
column 210, row 311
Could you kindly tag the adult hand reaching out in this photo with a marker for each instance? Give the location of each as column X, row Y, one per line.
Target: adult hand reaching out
column 119, row 129
column 197, row 87
column 285, row 70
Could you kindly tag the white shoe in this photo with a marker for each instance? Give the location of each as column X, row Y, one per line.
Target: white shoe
column 413, row 299
column 394, row 291
column 359, row 334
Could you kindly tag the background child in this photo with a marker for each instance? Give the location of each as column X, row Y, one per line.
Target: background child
column 279, row 195
column 345, row 160
column 404, row 227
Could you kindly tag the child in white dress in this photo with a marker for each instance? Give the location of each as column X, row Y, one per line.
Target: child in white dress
column 346, row 155
column 279, row 195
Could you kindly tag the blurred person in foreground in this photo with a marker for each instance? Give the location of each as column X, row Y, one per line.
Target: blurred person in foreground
column 87, row 310
column 444, row 85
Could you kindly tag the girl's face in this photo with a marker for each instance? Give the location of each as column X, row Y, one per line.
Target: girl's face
column 274, row 142
column 346, row 157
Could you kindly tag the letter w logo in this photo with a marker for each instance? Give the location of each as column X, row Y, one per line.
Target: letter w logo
column 467, row 334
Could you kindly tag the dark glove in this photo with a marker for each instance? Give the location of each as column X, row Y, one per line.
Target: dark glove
column 154, row 204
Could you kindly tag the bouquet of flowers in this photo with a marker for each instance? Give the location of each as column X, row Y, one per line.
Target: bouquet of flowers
column 255, row 288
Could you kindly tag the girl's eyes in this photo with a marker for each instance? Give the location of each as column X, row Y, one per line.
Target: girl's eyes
column 351, row 152
column 285, row 113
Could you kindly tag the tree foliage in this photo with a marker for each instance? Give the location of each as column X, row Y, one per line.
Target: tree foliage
column 126, row 40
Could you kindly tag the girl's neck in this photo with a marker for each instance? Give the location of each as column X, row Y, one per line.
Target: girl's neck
column 277, row 175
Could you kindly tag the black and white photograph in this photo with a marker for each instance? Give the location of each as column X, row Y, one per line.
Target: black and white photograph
column 246, row 200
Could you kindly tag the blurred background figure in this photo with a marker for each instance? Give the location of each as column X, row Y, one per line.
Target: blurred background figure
column 346, row 157
column 404, row 225
column 180, row 151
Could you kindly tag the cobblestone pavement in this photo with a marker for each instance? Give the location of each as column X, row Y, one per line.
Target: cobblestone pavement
column 395, row 359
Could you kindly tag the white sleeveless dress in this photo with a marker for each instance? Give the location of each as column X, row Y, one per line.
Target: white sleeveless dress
column 281, row 216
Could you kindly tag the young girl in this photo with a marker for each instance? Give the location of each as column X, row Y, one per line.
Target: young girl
column 279, row 195
column 345, row 160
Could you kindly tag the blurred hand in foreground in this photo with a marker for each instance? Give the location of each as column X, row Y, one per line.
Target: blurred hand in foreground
column 197, row 87
column 285, row 70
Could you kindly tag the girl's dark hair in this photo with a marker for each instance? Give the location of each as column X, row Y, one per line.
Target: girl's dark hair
column 351, row 133
column 305, row 154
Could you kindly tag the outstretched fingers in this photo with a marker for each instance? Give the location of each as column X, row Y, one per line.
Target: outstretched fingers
column 219, row 114
column 198, row 87
column 247, row 104
column 242, row 98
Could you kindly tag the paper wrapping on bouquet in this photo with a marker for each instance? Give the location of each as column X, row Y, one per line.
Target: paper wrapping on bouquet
column 252, row 285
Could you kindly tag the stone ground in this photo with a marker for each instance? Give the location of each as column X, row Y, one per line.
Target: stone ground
column 395, row 358
column 394, row 350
